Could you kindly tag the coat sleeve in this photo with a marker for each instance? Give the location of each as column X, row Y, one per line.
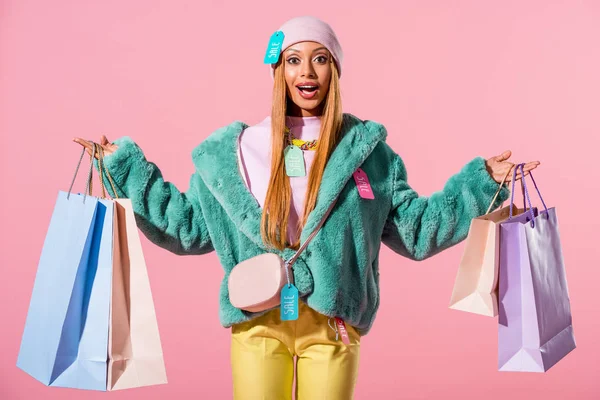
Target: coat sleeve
column 419, row 227
column 167, row 217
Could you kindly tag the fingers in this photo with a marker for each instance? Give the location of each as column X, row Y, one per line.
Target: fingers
column 504, row 156
column 84, row 143
column 531, row 165
column 88, row 146
column 526, row 168
column 517, row 177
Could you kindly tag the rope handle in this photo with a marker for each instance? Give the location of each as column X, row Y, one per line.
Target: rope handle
column 98, row 150
column 100, row 162
column 513, row 188
column 498, row 191
column 104, row 171
column 527, row 195
column 88, row 186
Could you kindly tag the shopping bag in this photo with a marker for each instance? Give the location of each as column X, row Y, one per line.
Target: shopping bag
column 91, row 322
column 135, row 351
column 65, row 337
column 476, row 284
column 535, row 325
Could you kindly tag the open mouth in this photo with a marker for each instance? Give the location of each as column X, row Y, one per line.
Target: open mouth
column 307, row 90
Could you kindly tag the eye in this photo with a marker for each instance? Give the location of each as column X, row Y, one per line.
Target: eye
column 293, row 60
column 321, row 59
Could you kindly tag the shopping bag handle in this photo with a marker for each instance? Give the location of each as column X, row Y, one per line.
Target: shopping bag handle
column 524, row 183
column 104, row 171
column 498, row 192
column 500, row 188
column 100, row 162
column 512, row 195
column 537, row 190
column 88, row 186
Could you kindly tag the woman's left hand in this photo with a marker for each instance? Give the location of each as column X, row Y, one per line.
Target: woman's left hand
column 498, row 167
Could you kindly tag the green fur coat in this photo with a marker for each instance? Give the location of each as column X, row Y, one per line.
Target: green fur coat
column 338, row 273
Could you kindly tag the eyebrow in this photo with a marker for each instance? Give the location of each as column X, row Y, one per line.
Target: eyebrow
column 298, row 51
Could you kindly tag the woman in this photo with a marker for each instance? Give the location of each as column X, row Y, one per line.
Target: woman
column 248, row 202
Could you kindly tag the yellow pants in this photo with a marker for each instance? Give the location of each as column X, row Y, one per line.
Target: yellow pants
column 263, row 350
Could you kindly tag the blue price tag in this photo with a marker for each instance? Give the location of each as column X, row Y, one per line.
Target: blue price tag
column 289, row 303
column 274, row 48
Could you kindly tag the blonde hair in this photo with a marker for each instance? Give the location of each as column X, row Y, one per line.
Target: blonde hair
column 276, row 210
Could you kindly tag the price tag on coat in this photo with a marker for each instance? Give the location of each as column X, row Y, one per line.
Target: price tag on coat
column 362, row 184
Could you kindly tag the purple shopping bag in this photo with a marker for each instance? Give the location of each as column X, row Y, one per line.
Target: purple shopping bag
column 534, row 326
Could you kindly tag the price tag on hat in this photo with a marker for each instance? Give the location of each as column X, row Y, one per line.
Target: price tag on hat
column 274, row 48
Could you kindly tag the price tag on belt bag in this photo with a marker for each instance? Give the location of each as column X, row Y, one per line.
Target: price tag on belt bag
column 342, row 330
column 274, row 48
column 363, row 185
column 289, row 303
column 294, row 161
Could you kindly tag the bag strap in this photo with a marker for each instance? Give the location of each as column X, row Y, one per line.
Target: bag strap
column 498, row 191
column 88, row 186
column 104, row 172
column 292, row 260
column 500, row 188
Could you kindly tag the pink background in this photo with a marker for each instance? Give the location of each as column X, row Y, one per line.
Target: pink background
column 450, row 81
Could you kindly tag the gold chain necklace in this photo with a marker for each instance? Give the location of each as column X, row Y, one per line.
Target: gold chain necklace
column 302, row 144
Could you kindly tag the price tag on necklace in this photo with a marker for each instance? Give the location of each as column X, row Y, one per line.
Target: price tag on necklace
column 294, row 161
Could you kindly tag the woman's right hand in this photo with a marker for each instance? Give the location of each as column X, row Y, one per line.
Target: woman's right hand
column 107, row 147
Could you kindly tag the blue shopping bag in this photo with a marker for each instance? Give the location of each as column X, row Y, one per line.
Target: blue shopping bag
column 65, row 339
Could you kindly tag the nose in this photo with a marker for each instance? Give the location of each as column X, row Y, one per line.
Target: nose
column 308, row 70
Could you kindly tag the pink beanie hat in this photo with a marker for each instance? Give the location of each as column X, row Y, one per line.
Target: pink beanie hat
column 311, row 29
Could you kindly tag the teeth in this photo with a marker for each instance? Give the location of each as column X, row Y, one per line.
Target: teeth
column 307, row 87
